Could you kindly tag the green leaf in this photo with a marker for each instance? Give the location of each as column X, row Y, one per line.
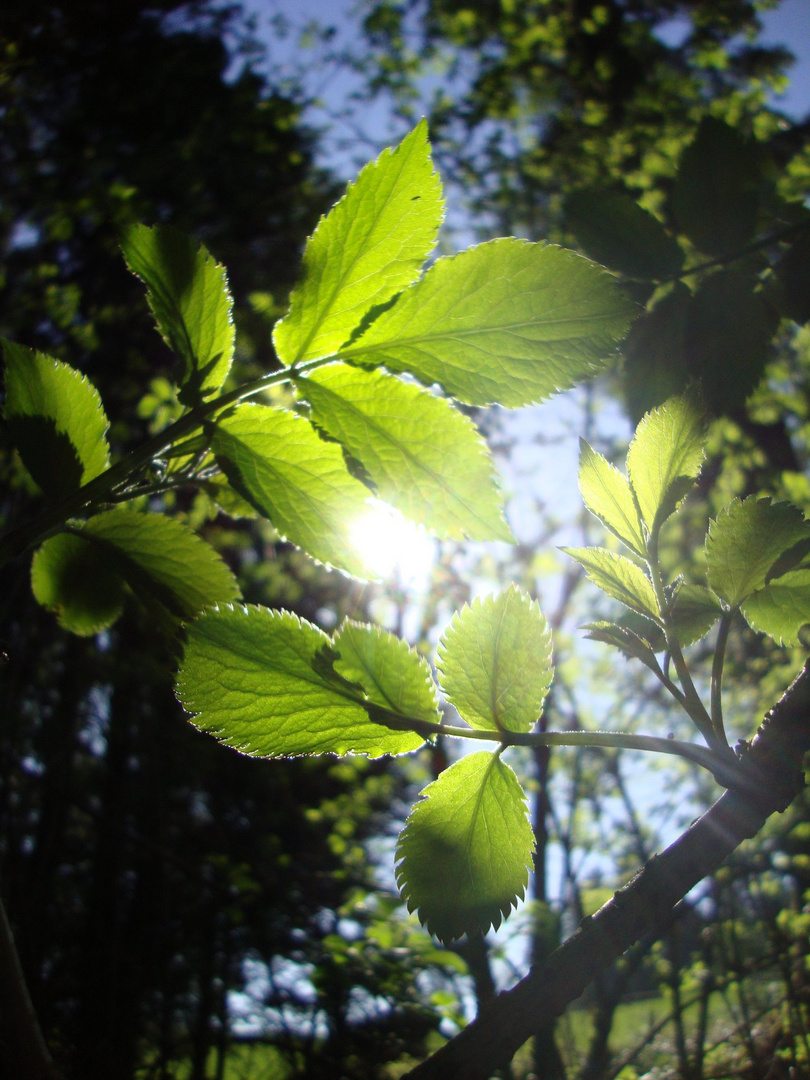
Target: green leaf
column 494, row 662
column 782, row 608
column 506, row 322
column 715, row 199
column 728, row 333
column 165, row 558
column 392, row 675
column 56, row 420
column 463, row 857
column 656, row 365
column 664, row 459
column 624, row 639
column 422, row 455
column 607, row 494
column 79, row 583
column 370, row 246
column 256, row 680
column 614, row 230
column 745, row 542
column 81, row 576
column 299, row 481
column 694, row 612
column 793, row 272
column 618, row 577
column 188, row 294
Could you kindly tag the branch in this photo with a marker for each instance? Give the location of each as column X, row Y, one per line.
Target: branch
column 771, row 777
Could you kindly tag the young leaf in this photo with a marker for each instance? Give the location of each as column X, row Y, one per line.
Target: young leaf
column 715, row 198
column 624, row 639
column 299, row 481
column 494, row 662
column 370, row 246
column 463, row 857
column 614, row 230
column 56, row 420
column 256, row 680
column 392, row 675
column 80, row 583
column 781, row 608
column 744, row 543
column 608, row 495
column 506, row 322
column 618, row 577
column 188, row 294
column 694, row 612
column 423, row 456
column 82, row 576
column 664, row 458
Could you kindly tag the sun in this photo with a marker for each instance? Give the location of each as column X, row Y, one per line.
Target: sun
column 391, row 546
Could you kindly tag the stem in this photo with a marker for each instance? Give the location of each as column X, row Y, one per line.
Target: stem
column 717, row 673
column 717, row 764
column 18, row 540
column 723, row 260
column 691, row 703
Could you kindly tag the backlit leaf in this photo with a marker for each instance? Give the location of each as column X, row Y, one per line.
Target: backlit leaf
column 624, row 639
column 56, row 420
column 494, row 662
column 371, row 245
column 781, row 608
column 82, row 576
column 256, row 679
column 463, row 857
column 694, row 612
column 278, row 462
column 507, row 321
column 423, row 456
column 618, row 577
column 393, row 675
column 665, row 457
column 746, row 540
column 607, row 494
column 188, row 294
column 79, row 583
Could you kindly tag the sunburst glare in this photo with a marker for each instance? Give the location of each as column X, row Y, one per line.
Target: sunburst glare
column 393, row 547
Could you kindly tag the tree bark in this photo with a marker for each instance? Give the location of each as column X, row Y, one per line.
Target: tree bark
column 770, row 777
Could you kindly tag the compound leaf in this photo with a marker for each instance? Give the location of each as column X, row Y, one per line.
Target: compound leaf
column 56, row 420
column 664, row 458
column 261, row 681
column 494, row 662
column 463, row 857
column 189, row 297
column 607, row 494
column 299, row 481
column 422, row 455
column 745, row 542
column 506, row 322
column 618, row 577
column 393, row 675
column 370, row 246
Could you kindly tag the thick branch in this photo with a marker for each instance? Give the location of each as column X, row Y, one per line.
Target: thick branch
column 771, row 777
